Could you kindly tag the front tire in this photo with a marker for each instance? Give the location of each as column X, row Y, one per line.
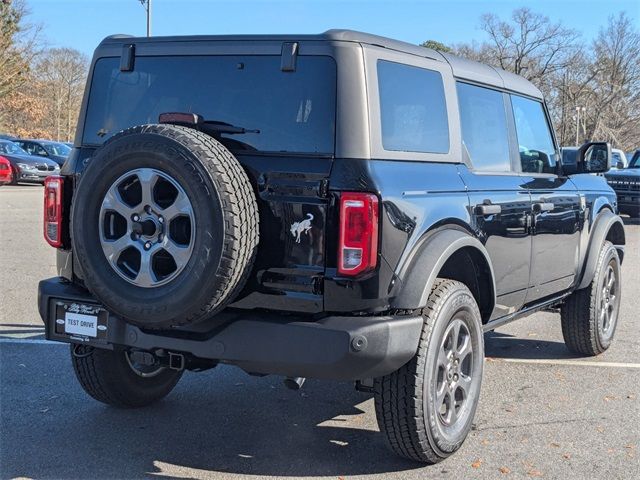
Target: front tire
column 425, row 409
column 110, row 377
column 589, row 316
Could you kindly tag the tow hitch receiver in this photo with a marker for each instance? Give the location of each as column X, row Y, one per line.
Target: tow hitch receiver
column 176, row 361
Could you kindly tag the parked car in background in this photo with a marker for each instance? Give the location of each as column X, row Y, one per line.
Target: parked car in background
column 27, row 168
column 6, row 172
column 626, row 183
column 56, row 151
column 618, row 159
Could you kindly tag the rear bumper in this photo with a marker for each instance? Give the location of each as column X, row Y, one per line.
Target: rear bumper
column 341, row 348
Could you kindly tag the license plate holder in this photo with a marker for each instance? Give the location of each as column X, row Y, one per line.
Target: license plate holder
column 81, row 321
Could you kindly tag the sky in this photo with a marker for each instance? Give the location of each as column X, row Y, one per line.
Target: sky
column 81, row 24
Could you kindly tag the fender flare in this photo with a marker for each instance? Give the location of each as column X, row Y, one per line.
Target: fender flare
column 604, row 222
column 423, row 267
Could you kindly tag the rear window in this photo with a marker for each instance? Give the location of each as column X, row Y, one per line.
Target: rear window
column 293, row 111
column 413, row 110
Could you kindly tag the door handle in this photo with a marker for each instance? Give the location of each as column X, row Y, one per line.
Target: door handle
column 488, row 209
column 543, row 207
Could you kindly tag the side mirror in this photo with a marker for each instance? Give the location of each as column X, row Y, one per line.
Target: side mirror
column 594, row 157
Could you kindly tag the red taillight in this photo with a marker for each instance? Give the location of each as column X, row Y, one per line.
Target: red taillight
column 358, row 247
column 53, row 191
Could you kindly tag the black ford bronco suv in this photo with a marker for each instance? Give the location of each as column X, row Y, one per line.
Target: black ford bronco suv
column 338, row 206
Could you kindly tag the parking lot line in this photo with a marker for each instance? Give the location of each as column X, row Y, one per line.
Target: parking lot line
column 38, row 341
column 577, row 363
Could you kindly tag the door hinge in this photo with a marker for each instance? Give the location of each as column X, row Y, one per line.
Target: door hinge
column 323, row 188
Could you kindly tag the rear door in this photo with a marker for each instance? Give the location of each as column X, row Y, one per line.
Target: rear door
column 499, row 197
column 556, row 204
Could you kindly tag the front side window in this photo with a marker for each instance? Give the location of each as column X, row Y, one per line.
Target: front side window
column 59, row 149
column 485, row 136
column 38, row 150
column 413, row 110
column 537, row 152
column 292, row 112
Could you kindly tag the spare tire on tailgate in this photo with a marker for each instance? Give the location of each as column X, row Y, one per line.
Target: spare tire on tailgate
column 164, row 225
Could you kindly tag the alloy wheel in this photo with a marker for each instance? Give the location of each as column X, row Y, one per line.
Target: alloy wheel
column 147, row 227
column 454, row 374
column 608, row 301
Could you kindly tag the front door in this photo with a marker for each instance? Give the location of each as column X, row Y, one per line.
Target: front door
column 555, row 203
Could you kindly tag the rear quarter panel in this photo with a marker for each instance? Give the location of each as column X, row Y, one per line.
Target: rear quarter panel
column 416, row 197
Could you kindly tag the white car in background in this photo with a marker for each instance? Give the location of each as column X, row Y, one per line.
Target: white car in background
column 618, row 156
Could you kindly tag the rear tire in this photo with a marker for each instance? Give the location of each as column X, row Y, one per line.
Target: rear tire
column 421, row 415
column 589, row 316
column 110, row 378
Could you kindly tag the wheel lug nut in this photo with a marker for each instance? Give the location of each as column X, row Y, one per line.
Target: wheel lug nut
column 135, row 217
column 147, row 209
column 147, row 245
column 160, row 237
column 161, row 219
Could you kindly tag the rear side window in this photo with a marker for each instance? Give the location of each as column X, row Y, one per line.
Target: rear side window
column 413, row 110
column 535, row 144
column 293, row 111
column 485, row 136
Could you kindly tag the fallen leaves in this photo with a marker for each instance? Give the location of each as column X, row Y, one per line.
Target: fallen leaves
column 477, row 463
column 534, row 473
column 504, row 470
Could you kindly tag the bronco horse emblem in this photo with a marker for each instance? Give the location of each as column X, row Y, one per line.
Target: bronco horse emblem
column 298, row 228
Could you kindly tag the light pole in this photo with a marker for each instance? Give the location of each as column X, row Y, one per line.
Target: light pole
column 578, row 110
column 147, row 6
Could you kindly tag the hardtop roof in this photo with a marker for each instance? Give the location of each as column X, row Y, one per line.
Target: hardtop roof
column 462, row 68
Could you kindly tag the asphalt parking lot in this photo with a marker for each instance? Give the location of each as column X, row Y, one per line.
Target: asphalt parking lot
column 543, row 413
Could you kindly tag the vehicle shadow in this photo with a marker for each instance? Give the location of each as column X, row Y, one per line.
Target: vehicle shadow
column 25, row 184
column 502, row 345
column 221, row 421
column 21, row 330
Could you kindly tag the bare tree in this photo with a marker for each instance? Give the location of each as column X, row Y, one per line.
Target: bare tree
column 614, row 100
column 529, row 45
column 62, row 73
column 19, row 45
